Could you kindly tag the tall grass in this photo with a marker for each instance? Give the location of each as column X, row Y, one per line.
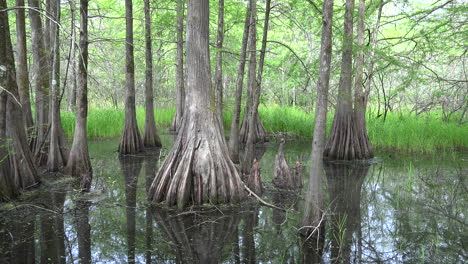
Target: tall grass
column 399, row 132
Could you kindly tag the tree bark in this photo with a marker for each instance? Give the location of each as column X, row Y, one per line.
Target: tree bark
column 234, row 138
column 313, row 211
column 198, row 169
column 251, row 118
column 8, row 190
column 41, row 83
column 22, row 77
column 71, row 105
column 360, row 96
column 21, row 168
column 151, row 138
column 219, row 66
column 79, row 164
column 58, row 152
column 254, row 128
column 130, row 141
column 180, row 89
column 344, row 142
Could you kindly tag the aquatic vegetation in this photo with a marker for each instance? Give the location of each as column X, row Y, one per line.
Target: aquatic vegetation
column 402, row 132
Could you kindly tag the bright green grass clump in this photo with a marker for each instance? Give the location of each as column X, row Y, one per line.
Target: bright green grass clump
column 399, row 132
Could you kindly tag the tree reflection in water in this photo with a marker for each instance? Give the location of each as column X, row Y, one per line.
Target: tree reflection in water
column 131, row 168
column 345, row 181
column 198, row 236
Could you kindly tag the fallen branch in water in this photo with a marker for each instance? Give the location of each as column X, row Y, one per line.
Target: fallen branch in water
column 261, row 200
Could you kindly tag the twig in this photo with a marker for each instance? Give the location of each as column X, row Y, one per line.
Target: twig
column 261, row 200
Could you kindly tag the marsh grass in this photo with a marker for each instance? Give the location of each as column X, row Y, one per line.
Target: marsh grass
column 400, row 132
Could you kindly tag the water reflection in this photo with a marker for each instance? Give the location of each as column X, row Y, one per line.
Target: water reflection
column 83, row 231
column 131, row 167
column 344, row 188
column 151, row 161
column 406, row 210
column 198, row 236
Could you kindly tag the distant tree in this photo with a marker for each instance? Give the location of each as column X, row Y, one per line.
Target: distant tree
column 79, row 164
column 22, row 77
column 71, row 102
column 256, row 131
column 130, row 141
column 58, row 151
column 348, row 139
column 41, row 83
column 219, row 65
column 151, row 138
column 234, row 138
column 180, row 83
column 198, row 169
column 17, row 167
column 253, row 91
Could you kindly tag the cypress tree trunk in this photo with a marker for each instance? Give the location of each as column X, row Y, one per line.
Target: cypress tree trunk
column 234, row 138
column 151, row 138
column 130, row 141
column 219, row 66
column 22, row 67
column 8, row 189
column 41, row 83
column 257, row 134
column 251, row 118
column 362, row 145
column 58, row 152
column 348, row 138
column 180, row 89
column 71, row 104
column 340, row 144
column 313, row 211
column 79, row 164
column 198, row 169
column 21, row 168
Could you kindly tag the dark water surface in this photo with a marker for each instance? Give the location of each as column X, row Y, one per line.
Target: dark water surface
column 401, row 209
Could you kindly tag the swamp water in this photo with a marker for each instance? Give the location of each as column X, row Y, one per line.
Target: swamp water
column 400, row 209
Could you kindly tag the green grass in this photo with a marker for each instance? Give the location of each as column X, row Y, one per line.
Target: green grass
column 407, row 133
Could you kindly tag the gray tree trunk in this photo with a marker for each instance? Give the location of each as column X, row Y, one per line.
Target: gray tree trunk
column 79, row 164
column 71, row 104
column 41, row 83
column 198, row 169
column 58, row 151
column 343, row 143
column 219, row 66
column 362, row 144
column 180, row 89
column 21, row 169
column 313, row 210
column 251, row 118
column 22, row 77
column 254, row 128
column 234, row 137
column 151, row 138
column 130, row 141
